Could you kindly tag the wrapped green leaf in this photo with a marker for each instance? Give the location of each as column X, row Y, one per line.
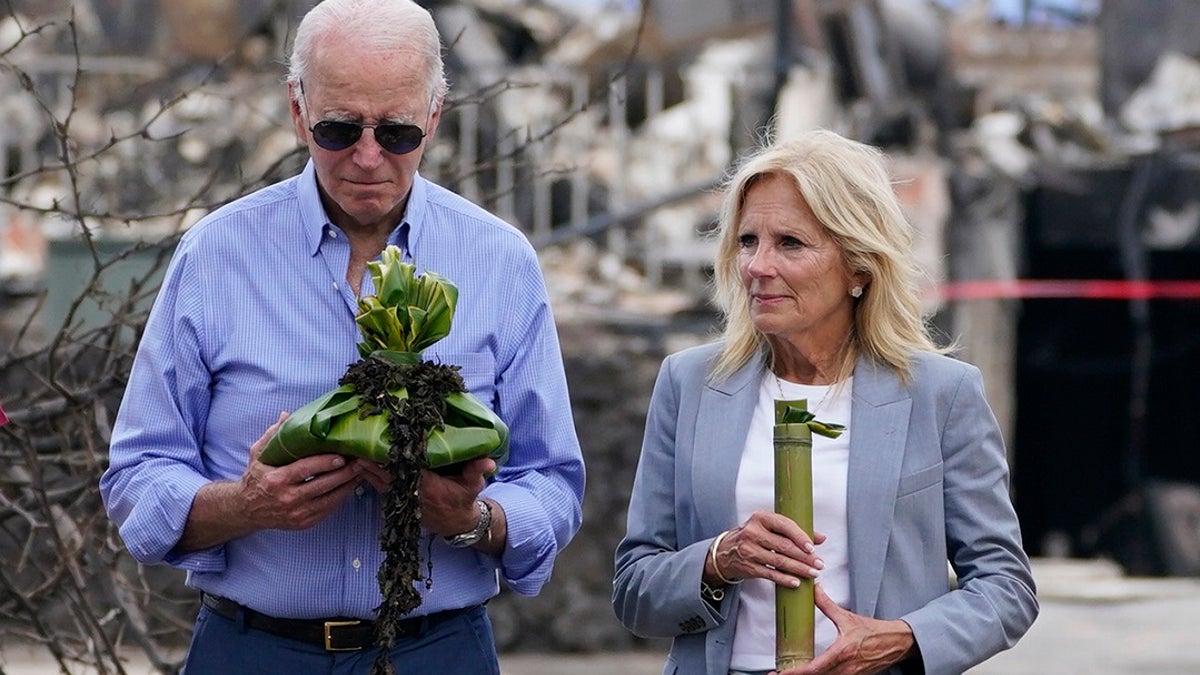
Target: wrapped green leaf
column 407, row 314
column 795, row 608
column 333, row 424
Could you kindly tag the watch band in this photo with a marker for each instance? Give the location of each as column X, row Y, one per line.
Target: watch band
column 482, row 528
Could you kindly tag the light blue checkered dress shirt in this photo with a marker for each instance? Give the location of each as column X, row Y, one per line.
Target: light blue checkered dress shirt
column 254, row 317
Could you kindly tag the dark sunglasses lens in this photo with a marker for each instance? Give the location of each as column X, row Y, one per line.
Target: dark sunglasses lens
column 336, row 135
column 398, row 139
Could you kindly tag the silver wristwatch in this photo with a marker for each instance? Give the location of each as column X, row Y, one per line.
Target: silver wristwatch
column 481, row 531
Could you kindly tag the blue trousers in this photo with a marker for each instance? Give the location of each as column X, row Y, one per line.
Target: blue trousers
column 220, row 646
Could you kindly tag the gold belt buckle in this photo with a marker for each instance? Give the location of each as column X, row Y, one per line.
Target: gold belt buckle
column 329, row 636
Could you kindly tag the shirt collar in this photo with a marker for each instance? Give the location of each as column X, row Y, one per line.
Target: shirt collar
column 312, row 213
column 315, row 220
column 408, row 235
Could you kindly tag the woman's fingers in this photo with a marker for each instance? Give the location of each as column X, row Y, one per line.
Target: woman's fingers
column 769, row 546
column 779, row 530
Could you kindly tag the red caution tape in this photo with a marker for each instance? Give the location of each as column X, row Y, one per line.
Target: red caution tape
column 1090, row 289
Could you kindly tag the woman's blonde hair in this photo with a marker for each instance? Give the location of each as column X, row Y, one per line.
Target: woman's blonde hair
column 847, row 186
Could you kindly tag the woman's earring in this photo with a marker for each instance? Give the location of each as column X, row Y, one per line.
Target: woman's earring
column 856, row 292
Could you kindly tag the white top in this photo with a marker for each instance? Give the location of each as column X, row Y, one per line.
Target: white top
column 754, row 636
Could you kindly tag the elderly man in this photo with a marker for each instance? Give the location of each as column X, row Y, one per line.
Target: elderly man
column 256, row 316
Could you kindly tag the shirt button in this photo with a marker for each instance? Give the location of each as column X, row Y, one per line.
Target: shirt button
column 359, row 490
column 356, row 563
column 332, row 233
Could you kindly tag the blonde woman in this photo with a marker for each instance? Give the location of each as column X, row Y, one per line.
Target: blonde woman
column 816, row 282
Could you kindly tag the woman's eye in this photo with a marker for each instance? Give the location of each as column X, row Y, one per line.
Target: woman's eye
column 790, row 242
column 747, row 240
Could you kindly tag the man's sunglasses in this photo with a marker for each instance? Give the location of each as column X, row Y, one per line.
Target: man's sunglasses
column 398, row 139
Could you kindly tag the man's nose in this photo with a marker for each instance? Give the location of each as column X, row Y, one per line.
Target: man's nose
column 367, row 151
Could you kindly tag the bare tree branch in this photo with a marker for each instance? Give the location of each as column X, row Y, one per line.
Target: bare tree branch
column 115, row 164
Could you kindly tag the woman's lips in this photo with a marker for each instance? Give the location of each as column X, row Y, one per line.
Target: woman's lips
column 767, row 298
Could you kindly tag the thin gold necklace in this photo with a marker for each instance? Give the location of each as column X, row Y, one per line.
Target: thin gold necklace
column 813, row 410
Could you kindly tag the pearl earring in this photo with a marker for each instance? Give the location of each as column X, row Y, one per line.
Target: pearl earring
column 856, row 292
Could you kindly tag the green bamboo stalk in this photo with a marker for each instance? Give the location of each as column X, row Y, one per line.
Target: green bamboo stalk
column 794, row 607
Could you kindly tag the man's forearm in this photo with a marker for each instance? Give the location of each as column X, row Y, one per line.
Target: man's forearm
column 214, row 518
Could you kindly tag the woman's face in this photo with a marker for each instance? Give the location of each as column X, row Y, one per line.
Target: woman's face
column 793, row 271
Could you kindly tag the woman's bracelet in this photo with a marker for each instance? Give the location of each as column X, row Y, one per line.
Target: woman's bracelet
column 712, row 553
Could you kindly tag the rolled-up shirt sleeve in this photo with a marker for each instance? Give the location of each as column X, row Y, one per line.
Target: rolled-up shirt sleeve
column 155, row 466
column 541, row 487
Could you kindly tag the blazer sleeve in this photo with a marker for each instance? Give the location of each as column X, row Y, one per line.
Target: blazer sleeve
column 656, row 587
column 994, row 602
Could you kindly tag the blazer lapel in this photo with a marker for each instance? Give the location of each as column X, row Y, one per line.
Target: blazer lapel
column 879, row 425
column 722, row 420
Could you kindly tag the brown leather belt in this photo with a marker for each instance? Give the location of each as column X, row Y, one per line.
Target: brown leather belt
column 335, row 635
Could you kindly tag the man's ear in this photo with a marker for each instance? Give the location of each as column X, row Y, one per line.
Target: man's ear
column 435, row 118
column 297, row 114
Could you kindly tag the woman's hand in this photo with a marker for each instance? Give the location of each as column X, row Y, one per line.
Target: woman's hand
column 767, row 546
column 863, row 645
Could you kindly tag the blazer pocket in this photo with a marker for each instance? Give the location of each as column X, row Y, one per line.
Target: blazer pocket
column 920, row 480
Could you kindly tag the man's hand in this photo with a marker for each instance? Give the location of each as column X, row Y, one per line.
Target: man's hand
column 291, row 497
column 448, row 503
column 374, row 473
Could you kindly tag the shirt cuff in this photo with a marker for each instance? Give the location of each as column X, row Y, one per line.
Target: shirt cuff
column 156, row 524
column 530, row 548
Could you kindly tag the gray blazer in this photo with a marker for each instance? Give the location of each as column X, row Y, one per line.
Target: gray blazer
column 927, row 484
